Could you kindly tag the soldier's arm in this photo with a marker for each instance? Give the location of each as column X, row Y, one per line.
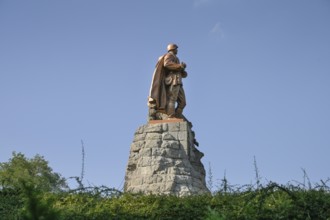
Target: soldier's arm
column 170, row 64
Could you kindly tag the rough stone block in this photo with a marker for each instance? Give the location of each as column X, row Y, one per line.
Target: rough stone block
column 184, row 126
column 183, row 136
column 145, row 152
column 153, row 128
column 140, row 137
column 140, row 130
column 153, row 136
column 173, row 153
column 174, row 134
column 153, row 143
column 131, row 167
column 158, row 152
column 169, row 137
column 171, row 144
column 174, row 126
column 164, row 160
column 144, row 162
column 165, row 127
column 135, row 147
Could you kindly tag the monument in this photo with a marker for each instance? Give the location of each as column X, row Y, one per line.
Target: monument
column 164, row 158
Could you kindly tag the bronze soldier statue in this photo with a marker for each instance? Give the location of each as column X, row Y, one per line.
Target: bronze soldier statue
column 166, row 93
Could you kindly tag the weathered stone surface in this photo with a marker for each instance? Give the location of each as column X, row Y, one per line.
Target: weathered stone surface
column 164, row 160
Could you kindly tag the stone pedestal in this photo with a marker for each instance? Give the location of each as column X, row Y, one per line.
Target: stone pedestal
column 164, row 160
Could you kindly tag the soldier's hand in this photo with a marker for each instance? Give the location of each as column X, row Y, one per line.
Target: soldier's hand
column 183, row 65
column 184, row 74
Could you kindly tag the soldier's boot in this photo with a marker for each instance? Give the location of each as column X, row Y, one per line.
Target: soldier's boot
column 178, row 112
column 171, row 110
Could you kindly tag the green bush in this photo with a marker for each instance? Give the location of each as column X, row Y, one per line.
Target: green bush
column 10, row 204
column 29, row 189
column 272, row 201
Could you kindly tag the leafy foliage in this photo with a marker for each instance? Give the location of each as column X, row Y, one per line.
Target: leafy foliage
column 23, row 183
column 22, row 200
column 272, row 201
column 21, row 172
column 10, row 204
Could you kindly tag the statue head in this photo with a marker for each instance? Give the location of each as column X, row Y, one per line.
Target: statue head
column 171, row 47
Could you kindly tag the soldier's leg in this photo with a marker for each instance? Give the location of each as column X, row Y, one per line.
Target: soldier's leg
column 173, row 92
column 181, row 99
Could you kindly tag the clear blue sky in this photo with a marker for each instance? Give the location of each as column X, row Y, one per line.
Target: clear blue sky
column 258, row 83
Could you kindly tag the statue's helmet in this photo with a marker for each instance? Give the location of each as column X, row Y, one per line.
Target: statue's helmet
column 172, row 47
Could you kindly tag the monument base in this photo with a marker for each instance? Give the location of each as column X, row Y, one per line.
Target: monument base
column 164, row 160
column 166, row 121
